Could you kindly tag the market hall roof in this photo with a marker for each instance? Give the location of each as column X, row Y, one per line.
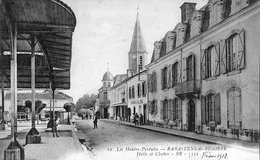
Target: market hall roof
column 39, row 96
column 52, row 23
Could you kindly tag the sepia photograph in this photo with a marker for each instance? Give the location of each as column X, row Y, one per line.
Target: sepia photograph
column 129, row 79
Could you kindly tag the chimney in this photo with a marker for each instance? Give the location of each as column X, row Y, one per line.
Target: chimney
column 186, row 11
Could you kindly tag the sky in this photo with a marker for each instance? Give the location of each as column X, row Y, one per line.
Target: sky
column 104, row 32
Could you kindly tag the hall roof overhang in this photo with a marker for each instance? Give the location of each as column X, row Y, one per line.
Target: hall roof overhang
column 51, row 23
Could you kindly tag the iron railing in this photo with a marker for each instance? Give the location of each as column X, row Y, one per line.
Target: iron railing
column 187, row 87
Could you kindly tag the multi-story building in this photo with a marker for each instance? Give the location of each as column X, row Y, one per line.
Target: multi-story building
column 118, row 98
column 137, row 97
column 104, row 103
column 204, row 74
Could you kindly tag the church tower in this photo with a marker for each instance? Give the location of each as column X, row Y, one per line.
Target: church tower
column 137, row 56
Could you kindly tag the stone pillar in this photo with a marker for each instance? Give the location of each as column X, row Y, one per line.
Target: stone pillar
column 33, row 135
column 14, row 151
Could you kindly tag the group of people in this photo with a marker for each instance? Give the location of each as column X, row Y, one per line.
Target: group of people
column 138, row 120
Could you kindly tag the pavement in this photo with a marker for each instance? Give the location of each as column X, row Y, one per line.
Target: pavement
column 249, row 146
column 64, row 147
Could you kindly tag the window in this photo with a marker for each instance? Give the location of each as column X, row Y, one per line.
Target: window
column 143, row 89
column 175, row 74
column 130, row 93
column 175, row 109
column 153, row 82
column 233, row 52
column 105, row 95
column 141, row 63
column 190, row 68
column 234, row 109
column 164, row 78
column 133, row 92
column 210, row 61
column 153, row 107
column 139, row 90
column 164, row 109
column 210, row 108
column 210, row 57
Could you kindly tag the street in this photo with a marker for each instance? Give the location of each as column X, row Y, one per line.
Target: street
column 115, row 141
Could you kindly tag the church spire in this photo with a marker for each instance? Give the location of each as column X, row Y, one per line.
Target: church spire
column 137, row 56
column 137, row 44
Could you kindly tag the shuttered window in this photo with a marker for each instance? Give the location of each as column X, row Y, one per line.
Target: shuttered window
column 210, row 61
column 165, row 108
column 169, row 111
column 161, row 110
column 234, row 108
column 211, row 108
column 176, row 109
column 175, row 73
column 153, row 82
column 235, row 48
column 190, row 69
column 133, row 92
column 203, row 109
column 217, row 109
column 169, row 76
column 143, row 89
column 164, row 78
column 130, row 93
column 138, row 90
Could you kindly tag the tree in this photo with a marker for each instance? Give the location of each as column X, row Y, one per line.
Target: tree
column 39, row 106
column 69, row 107
column 87, row 101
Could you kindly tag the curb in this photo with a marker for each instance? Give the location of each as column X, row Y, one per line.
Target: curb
column 184, row 136
column 75, row 138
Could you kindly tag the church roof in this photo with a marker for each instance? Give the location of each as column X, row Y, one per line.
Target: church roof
column 137, row 44
column 107, row 77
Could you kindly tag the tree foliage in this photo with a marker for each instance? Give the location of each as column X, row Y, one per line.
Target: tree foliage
column 87, row 101
column 39, row 106
column 69, row 107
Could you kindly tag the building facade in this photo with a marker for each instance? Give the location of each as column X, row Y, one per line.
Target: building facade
column 104, row 103
column 118, row 99
column 204, row 74
column 137, row 97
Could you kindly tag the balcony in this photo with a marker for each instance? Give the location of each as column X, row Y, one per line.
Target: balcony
column 104, row 102
column 187, row 88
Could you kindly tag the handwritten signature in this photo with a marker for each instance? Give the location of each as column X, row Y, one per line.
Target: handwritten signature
column 214, row 156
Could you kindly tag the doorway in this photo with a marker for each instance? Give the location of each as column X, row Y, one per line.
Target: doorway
column 191, row 116
column 105, row 112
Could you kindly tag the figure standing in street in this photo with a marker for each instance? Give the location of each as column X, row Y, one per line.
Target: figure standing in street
column 141, row 119
column 136, row 119
column 95, row 122
column 54, row 127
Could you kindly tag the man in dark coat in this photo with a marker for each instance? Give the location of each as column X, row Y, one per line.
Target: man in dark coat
column 141, row 119
column 95, row 122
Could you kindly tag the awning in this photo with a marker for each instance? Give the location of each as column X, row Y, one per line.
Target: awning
column 50, row 23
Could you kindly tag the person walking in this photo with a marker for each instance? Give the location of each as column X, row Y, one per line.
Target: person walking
column 95, row 122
